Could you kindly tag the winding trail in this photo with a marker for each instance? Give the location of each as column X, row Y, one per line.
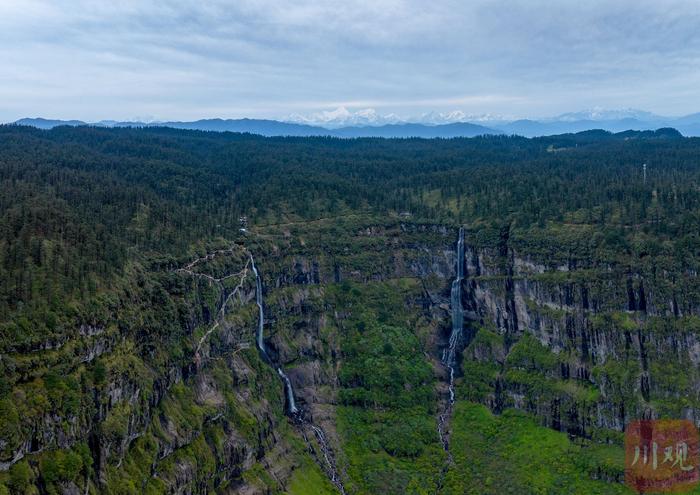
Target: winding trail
column 221, row 310
column 326, row 459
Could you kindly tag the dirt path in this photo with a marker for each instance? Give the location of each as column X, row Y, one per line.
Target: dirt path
column 222, row 309
column 326, row 459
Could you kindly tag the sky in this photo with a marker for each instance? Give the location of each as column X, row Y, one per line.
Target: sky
column 190, row 59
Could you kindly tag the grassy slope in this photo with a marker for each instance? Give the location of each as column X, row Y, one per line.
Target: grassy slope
column 511, row 454
column 310, row 480
column 389, row 436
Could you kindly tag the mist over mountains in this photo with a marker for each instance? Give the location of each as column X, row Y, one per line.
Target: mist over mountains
column 613, row 120
column 369, row 123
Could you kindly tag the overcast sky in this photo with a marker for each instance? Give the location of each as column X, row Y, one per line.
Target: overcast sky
column 191, row 59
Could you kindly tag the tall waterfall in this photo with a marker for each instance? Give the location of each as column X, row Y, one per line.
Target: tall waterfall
column 259, row 300
column 449, row 354
column 300, row 419
column 260, row 340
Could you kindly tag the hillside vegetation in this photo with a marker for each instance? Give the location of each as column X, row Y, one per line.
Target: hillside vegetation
column 581, row 293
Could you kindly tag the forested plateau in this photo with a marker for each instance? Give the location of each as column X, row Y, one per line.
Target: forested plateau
column 158, row 287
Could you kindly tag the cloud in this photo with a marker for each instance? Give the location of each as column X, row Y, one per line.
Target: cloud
column 188, row 59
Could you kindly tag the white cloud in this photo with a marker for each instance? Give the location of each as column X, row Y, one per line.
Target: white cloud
column 188, row 59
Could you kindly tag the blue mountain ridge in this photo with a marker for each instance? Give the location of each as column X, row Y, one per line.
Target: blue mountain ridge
column 688, row 125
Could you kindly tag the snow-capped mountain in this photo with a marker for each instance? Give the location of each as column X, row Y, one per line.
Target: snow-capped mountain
column 600, row 114
column 439, row 118
column 613, row 120
column 342, row 122
column 342, row 117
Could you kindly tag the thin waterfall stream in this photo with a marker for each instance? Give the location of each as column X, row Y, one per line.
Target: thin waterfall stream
column 326, row 458
column 450, row 352
column 292, row 408
column 301, row 419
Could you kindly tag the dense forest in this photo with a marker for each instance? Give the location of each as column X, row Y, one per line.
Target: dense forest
column 77, row 203
column 94, row 221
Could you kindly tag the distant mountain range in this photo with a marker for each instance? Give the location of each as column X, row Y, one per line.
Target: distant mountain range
column 277, row 128
column 367, row 123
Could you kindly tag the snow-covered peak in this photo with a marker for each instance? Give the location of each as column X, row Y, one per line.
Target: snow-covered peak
column 437, row 118
column 342, row 117
column 600, row 114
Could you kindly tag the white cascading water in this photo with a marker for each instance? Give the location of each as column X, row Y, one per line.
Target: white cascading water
column 449, row 354
column 300, row 419
column 258, row 300
column 329, row 459
column 288, row 390
column 292, row 410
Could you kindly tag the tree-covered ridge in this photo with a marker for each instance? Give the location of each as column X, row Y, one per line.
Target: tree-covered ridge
column 75, row 201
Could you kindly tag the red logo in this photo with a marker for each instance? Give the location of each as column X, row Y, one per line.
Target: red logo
column 662, row 456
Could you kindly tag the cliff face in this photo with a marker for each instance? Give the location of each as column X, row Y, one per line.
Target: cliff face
column 162, row 392
column 583, row 342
